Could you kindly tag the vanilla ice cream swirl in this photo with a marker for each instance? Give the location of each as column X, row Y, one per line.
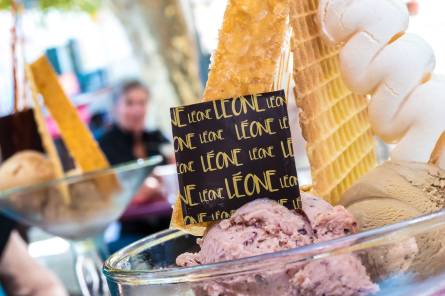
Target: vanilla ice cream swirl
column 378, row 58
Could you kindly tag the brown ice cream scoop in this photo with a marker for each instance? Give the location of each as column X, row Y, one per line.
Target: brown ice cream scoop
column 24, row 169
column 394, row 192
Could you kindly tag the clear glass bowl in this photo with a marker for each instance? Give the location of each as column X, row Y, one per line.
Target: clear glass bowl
column 407, row 258
column 95, row 200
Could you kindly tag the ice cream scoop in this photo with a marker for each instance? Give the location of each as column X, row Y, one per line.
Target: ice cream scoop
column 407, row 103
column 29, row 168
column 264, row 226
column 397, row 191
column 25, row 168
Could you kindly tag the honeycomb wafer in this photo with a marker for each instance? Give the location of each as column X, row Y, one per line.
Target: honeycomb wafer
column 250, row 51
column 334, row 121
column 249, row 45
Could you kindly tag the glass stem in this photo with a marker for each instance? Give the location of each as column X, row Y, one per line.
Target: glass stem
column 88, row 259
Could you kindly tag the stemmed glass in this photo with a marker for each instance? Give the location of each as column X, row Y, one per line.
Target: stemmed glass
column 96, row 199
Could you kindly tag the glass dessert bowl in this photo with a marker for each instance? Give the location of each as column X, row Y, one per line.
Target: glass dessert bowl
column 401, row 259
column 94, row 201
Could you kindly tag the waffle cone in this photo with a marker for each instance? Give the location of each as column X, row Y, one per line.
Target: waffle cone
column 334, row 121
column 250, row 52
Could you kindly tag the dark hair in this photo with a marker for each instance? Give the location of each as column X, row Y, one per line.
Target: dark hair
column 126, row 86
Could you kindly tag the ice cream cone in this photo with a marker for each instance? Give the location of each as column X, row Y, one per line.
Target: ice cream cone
column 334, row 121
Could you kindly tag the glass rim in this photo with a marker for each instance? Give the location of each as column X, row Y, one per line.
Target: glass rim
column 345, row 245
column 120, row 168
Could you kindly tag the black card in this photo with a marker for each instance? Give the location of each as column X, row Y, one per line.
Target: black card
column 19, row 132
column 230, row 152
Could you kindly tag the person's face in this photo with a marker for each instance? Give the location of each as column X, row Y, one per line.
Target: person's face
column 131, row 109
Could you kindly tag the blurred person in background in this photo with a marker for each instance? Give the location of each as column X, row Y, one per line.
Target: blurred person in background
column 20, row 274
column 128, row 140
column 99, row 124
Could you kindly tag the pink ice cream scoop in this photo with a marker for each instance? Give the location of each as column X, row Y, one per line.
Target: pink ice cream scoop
column 264, row 226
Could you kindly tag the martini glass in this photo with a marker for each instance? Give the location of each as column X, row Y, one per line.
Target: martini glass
column 96, row 199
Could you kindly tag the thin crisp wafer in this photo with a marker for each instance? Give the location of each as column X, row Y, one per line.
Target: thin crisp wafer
column 76, row 136
column 78, row 139
column 249, row 52
column 334, row 121
column 47, row 140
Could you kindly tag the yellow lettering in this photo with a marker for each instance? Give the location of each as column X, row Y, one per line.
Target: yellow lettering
column 176, row 120
column 251, row 184
column 221, row 160
column 189, row 220
column 187, row 199
column 208, row 195
column 222, row 113
column 288, row 181
column 219, row 215
column 254, row 129
column 201, row 217
column 236, row 179
column 242, row 105
column 283, row 201
column 261, row 153
column 287, row 148
column 197, row 116
column 180, row 144
column 211, row 136
column 183, row 168
column 284, row 122
column 297, row 203
column 275, row 102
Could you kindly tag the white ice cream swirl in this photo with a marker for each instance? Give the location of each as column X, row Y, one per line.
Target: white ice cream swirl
column 407, row 104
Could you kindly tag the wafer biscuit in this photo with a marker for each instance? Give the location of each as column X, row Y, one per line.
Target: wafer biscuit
column 78, row 139
column 76, row 136
column 334, row 121
column 248, row 56
column 47, row 141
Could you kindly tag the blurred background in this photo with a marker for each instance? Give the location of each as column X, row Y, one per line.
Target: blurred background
column 166, row 44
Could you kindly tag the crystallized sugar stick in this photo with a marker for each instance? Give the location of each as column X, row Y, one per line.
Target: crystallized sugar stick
column 249, row 48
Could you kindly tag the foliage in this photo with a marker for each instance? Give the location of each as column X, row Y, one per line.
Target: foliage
column 89, row 6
